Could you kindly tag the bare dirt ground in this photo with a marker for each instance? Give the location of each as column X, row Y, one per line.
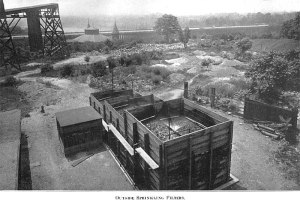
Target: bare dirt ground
column 49, row 168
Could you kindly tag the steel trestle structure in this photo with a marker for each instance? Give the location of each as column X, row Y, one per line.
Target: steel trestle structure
column 41, row 19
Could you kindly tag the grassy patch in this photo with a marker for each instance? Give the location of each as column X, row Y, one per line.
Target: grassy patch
column 156, row 74
column 11, row 98
column 48, row 84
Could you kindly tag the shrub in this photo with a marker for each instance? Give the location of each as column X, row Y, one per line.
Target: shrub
column 132, row 69
column 87, row 58
column 156, row 79
column 112, row 63
column 228, row 105
column 106, row 50
column 223, row 89
column 146, row 69
column 99, row 69
column 93, row 83
column 108, row 43
column 66, row 71
column 48, row 83
column 161, row 71
column 232, row 106
column 46, row 68
column 155, row 55
column 240, row 83
column 10, row 81
column 137, row 59
column 206, row 62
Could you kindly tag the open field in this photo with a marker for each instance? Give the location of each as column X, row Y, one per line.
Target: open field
column 274, row 45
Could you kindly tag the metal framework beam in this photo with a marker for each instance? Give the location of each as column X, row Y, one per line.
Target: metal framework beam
column 8, row 55
column 54, row 39
column 42, row 17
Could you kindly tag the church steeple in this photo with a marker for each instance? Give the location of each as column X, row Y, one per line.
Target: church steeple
column 115, row 33
column 88, row 26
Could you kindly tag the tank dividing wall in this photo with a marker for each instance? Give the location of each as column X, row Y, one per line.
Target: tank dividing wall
column 133, row 131
column 199, row 160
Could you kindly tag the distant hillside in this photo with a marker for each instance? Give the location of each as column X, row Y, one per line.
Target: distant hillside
column 274, row 45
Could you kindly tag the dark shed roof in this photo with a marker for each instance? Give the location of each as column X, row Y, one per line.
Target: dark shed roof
column 77, row 116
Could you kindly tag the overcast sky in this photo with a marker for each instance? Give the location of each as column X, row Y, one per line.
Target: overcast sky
column 175, row 7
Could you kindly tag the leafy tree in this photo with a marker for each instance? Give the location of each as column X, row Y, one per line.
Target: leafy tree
column 108, row 43
column 99, row 69
column 291, row 28
column 167, row 25
column 184, row 36
column 274, row 73
column 87, row 58
column 111, row 63
column 244, row 45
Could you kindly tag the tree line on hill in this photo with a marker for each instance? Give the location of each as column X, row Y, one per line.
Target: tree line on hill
column 291, row 28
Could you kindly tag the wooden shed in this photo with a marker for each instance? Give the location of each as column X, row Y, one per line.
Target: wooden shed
column 172, row 145
column 79, row 129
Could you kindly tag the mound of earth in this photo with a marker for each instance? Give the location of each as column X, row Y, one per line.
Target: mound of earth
column 160, row 65
column 194, row 70
column 232, row 63
column 216, row 59
column 176, row 77
column 79, row 61
column 37, row 94
column 171, row 55
column 177, row 60
column 199, row 53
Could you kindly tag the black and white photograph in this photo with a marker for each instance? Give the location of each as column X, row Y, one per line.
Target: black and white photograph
column 149, row 99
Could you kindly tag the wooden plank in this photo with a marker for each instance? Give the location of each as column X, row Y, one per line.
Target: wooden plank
column 190, row 173
column 135, row 134
column 229, row 150
column 147, row 118
column 161, row 169
column 204, row 138
column 77, row 162
column 104, row 113
column 210, row 160
column 205, row 146
column 201, row 125
column 105, row 125
column 204, row 110
column 125, row 144
column 152, row 164
column 125, row 126
column 226, row 185
column 195, row 134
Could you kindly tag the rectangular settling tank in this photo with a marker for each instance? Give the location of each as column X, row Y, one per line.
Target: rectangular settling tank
column 173, row 145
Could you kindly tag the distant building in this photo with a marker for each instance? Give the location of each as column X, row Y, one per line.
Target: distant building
column 91, row 30
column 91, row 34
column 115, row 33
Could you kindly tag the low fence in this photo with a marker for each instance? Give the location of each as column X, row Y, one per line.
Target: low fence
column 255, row 110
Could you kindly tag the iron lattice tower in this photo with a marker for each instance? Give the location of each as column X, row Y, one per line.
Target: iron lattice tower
column 8, row 55
column 40, row 19
column 54, row 39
